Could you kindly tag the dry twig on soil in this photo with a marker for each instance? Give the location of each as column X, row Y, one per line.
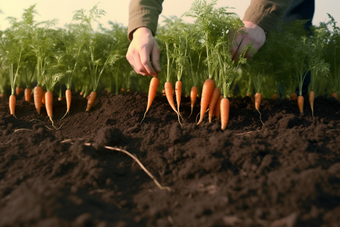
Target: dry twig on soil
column 133, row 157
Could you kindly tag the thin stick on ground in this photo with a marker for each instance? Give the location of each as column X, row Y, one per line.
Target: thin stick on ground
column 134, row 158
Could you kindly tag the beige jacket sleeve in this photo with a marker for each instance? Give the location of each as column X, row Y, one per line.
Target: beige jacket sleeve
column 144, row 13
column 266, row 13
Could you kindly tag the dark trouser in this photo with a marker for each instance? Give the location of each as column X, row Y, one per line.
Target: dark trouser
column 301, row 10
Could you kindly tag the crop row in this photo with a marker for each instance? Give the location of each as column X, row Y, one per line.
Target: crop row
column 194, row 55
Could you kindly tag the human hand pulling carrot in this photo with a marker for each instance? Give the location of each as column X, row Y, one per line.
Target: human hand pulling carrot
column 143, row 53
column 252, row 34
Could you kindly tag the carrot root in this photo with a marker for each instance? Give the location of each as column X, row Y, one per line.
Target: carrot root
column 169, row 96
column 154, row 83
column 68, row 97
column 218, row 107
column 311, row 101
column 207, row 91
column 258, row 98
column 178, row 92
column 275, row 96
column 225, row 109
column 28, row 94
column 212, row 105
column 335, row 95
column 193, row 96
column 300, row 101
column 90, row 101
column 293, row 96
column 38, row 95
column 49, row 105
column 12, row 103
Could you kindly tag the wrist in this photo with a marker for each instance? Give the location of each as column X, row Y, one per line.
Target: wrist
column 141, row 31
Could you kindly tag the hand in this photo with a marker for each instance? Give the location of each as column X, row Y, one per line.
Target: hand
column 143, row 47
column 252, row 33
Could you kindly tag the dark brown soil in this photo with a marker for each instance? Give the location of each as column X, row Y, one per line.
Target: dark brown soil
column 283, row 173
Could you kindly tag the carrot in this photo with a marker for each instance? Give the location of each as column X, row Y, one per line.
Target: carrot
column 275, row 96
column 60, row 98
column 207, row 90
column 38, row 95
column 12, row 103
column 68, row 97
column 300, row 101
column 335, row 95
column 258, row 98
column 218, row 107
column 311, row 101
column 193, row 96
column 212, row 105
column 43, row 97
column 90, row 101
column 18, row 90
column 154, row 83
column 169, row 96
column 225, row 109
column 49, row 104
column 178, row 91
column 28, row 94
column 293, row 96
column 2, row 97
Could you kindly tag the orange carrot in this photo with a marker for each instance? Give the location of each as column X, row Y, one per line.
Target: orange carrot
column 207, row 90
column 293, row 96
column 43, row 97
column 258, row 98
column 154, row 83
column 178, row 92
column 275, row 96
column 225, row 109
column 218, row 107
column 12, row 103
column 335, row 95
column 49, row 104
column 68, row 97
column 18, row 90
column 37, row 95
column 90, row 101
column 212, row 105
column 300, row 101
column 169, row 96
column 193, row 96
column 60, row 98
column 28, row 94
column 122, row 89
column 311, row 101
column 2, row 97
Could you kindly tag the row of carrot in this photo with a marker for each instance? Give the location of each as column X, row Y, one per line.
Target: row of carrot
column 194, row 53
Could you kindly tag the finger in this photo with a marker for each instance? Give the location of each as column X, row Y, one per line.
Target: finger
column 237, row 47
column 138, row 66
column 146, row 63
column 155, row 58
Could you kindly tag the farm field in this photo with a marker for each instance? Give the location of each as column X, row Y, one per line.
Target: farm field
column 283, row 173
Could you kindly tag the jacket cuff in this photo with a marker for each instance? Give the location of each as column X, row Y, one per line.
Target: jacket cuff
column 143, row 16
column 266, row 13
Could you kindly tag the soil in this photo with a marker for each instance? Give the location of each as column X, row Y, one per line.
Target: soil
column 285, row 172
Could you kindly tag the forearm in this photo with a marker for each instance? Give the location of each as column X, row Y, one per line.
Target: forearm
column 144, row 13
column 266, row 13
